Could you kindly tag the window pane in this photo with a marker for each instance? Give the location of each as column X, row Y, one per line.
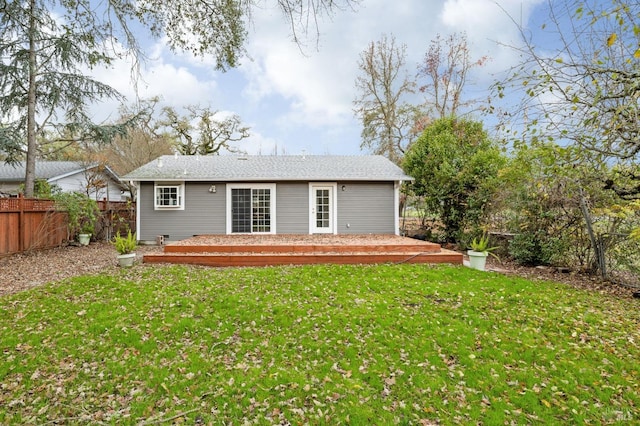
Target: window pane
column 322, row 208
column 241, row 210
column 261, row 211
column 168, row 196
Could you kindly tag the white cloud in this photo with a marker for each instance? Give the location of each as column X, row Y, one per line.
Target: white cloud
column 486, row 16
column 178, row 86
column 314, row 85
column 175, row 85
column 258, row 144
column 490, row 27
column 319, row 85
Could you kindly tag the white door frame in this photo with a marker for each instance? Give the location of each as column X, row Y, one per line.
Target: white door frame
column 333, row 207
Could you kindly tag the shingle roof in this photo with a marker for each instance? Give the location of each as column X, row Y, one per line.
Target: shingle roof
column 46, row 170
column 227, row 168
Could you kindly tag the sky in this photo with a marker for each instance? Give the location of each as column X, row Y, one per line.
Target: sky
column 300, row 101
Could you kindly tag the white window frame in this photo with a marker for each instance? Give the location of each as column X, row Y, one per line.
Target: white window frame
column 181, row 198
column 272, row 206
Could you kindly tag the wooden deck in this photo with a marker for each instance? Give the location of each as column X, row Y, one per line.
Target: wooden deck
column 268, row 250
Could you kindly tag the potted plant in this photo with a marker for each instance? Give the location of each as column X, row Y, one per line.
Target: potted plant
column 479, row 251
column 86, row 230
column 82, row 215
column 125, row 247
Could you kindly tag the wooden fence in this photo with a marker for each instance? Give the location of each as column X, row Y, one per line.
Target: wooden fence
column 117, row 217
column 31, row 224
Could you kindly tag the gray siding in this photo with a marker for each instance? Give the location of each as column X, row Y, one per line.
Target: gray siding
column 292, row 208
column 367, row 208
column 204, row 213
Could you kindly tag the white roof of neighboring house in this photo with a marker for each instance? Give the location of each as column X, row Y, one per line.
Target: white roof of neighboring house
column 227, row 168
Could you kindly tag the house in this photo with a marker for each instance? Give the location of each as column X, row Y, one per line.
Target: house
column 97, row 181
column 183, row 196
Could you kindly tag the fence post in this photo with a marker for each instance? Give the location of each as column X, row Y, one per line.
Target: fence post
column 21, row 230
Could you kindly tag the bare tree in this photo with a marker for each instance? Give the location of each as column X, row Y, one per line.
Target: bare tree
column 383, row 85
column 143, row 143
column 446, row 68
column 204, row 131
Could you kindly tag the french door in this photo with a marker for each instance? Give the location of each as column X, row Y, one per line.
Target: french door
column 251, row 210
column 322, row 208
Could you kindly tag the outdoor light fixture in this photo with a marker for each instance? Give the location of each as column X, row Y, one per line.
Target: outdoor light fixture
column 212, row 189
column 344, row 188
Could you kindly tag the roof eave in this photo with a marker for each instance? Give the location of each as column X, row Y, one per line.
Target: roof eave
column 262, row 179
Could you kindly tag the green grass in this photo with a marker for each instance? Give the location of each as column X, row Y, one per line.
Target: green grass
column 407, row 344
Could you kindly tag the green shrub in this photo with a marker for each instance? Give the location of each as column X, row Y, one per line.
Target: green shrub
column 525, row 250
column 455, row 165
column 532, row 249
column 82, row 211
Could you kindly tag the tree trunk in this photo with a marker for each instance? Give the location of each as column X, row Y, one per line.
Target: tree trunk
column 30, row 169
column 597, row 243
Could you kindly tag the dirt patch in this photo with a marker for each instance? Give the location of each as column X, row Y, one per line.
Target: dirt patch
column 20, row 272
column 562, row 275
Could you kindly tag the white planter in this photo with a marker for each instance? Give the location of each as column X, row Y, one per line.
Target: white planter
column 126, row 260
column 84, row 239
column 477, row 259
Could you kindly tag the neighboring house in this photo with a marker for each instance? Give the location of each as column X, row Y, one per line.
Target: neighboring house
column 182, row 196
column 97, row 181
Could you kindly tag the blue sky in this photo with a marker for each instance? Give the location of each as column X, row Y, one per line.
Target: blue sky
column 299, row 102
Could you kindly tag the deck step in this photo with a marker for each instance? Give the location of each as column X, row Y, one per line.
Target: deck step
column 302, row 258
column 301, row 250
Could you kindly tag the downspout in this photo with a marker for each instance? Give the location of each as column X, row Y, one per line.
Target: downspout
column 137, row 201
column 108, row 209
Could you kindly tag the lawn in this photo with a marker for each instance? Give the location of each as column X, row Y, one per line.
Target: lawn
column 386, row 344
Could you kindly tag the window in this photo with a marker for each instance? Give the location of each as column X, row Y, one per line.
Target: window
column 261, row 210
column 322, row 208
column 169, row 196
column 251, row 209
